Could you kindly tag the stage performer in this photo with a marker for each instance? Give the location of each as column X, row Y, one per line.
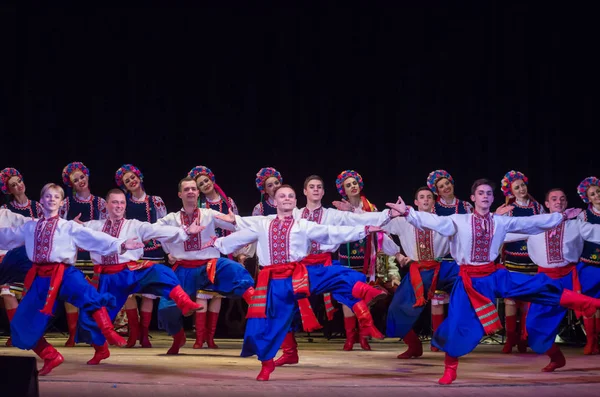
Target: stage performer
column 82, row 205
column 123, row 275
column 51, row 244
column 475, row 241
column 15, row 264
column 283, row 243
column 199, row 269
column 515, row 256
column 145, row 208
column 589, row 191
column 427, row 274
column 267, row 180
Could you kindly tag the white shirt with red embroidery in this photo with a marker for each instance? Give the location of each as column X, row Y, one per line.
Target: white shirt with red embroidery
column 333, row 217
column 561, row 245
column 11, row 219
column 419, row 244
column 130, row 228
column 191, row 248
column 55, row 240
column 476, row 239
column 288, row 240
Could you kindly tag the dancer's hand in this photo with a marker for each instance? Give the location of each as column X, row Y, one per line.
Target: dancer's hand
column 209, row 243
column 171, row 259
column 230, row 217
column 343, row 205
column 76, row 219
column 195, row 228
column 399, row 206
column 504, row 209
column 373, row 229
column 131, row 244
column 402, row 260
column 572, row 212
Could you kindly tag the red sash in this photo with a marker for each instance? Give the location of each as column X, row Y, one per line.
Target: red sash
column 560, row 272
column 417, row 281
column 484, row 308
column 211, row 266
column 299, row 274
column 56, row 272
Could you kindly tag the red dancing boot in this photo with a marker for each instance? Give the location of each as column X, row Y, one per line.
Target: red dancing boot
column 248, row 295
column 436, row 321
column 72, row 324
column 579, row 302
column 369, row 294
column 557, row 359
column 415, row 347
column 145, row 318
column 211, row 328
column 267, row 368
column 597, row 331
column 178, row 342
column 133, row 324
column 183, row 301
column 101, row 353
column 290, row 351
column 52, row 358
column 200, row 329
column 511, row 334
column 450, row 367
column 351, row 332
column 103, row 320
column 591, row 336
column 365, row 321
column 522, row 339
column 10, row 313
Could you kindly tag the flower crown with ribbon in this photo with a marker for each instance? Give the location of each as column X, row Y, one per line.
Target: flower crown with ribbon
column 585, row 185
column 264, row 174
column 5, row 175
column 435, row 176
column 339, row 181
column 509, row 178
column 72, row 167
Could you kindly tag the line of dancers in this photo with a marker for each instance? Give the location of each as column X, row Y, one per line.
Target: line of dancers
column 541, row 264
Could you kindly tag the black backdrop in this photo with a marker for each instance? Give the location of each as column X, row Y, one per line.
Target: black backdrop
column 392, row 92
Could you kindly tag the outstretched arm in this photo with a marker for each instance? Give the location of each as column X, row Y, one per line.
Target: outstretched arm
column 235, row 241
column 536, row 224
column 423, row 220
column 589, row 232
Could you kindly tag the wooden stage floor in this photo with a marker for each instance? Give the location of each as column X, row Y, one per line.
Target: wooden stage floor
column 324, row 369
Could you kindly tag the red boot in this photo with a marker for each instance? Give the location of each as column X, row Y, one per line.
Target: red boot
column 211, row 328
column 365, row 321
column 511, row 334
column 52, row 358
column 415, row 347
column 145, row 318
column 101, row 353
column 596, row 348
column 450, row 367
column 591, row 336
column 436, row 321
column 103, row 320
column 351, row 332
column 72, row 324
column 522, row 339
column 178, row 342
column 557, row 359
column 248, row 295
column 200, row 329
column 183, row 301
column 369, row 294
column 290, row 351
column 267, row 368
column 10, row 313
column 133, row 324
column 579, row 302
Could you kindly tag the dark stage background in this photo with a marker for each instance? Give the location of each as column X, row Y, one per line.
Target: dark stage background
column 392, row 92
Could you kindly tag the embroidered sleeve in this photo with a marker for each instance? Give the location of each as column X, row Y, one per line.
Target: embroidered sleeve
column 235, row 241
column 444, row 225
column 103, row 214
column 333, row 235
column 232, row 206
column 534, row 224
column 258, row 210
column 161, row 208
column 590, row 232
column 12, row 237
column 91, row 240
column 540, row 208
column 171, row 234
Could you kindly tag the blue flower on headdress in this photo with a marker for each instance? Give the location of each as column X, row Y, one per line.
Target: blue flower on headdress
column 5, row 175
column 264, row 174
column 584, row 186
column 435, row 176
column 72, row 167
column 125, row 169
column 508, row 179
column 339, row 181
